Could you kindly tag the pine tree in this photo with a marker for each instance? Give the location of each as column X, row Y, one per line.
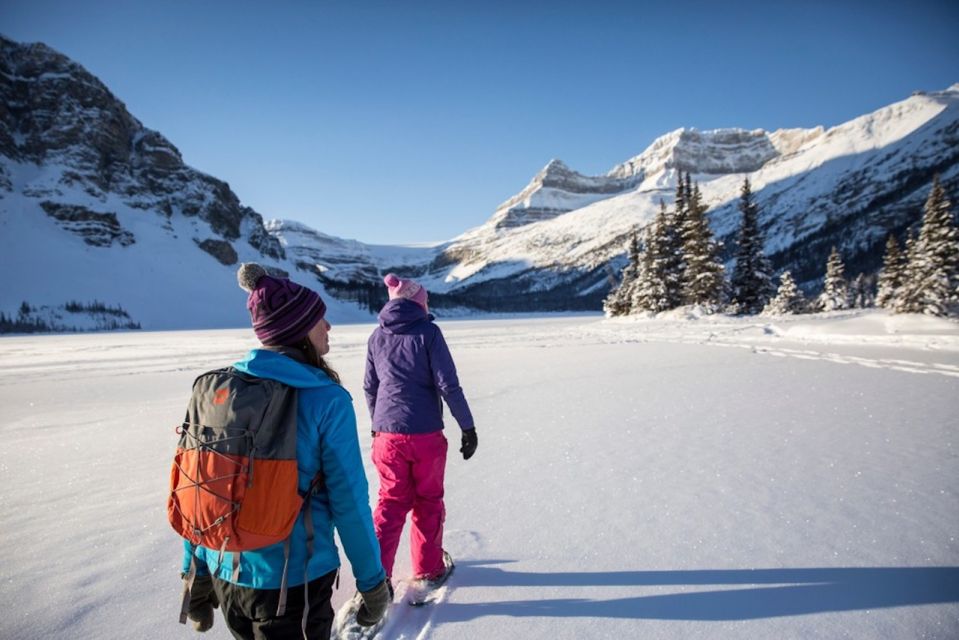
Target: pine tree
column 835, row 291
column 751, row 281
column 663, row 275
column 703, row 272
column 670, row 243
column 681, row 195
column 860, row 293
column 890, row 276
column 651, row 293
column 907, row 298
column 619, row 300
column 677, row 260
column 643, row 293
column 789, row 298
column 936, row 266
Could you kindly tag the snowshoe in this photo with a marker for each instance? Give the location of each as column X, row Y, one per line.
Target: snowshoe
column 423, row 591
column 345, row 626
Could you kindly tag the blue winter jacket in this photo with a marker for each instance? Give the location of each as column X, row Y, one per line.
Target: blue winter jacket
column 408, row 370
column 326, row 439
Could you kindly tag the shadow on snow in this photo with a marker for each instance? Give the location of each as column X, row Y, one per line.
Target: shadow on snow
column 789, row 592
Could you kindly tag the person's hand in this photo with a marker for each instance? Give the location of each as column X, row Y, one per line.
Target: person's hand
column 375, row 603
column 203, row 601
column 468, row 446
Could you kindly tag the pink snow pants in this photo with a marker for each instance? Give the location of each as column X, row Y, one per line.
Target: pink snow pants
column 411, row 470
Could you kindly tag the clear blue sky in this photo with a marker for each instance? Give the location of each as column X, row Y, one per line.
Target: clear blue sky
column 397, row 122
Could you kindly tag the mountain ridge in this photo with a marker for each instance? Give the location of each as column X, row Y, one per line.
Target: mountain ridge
column 112, row 204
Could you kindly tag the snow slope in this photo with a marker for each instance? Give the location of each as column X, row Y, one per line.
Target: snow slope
column 666, row 478
column 866, row 175
column 564, row 233
column 95, row 207
column 162, row 280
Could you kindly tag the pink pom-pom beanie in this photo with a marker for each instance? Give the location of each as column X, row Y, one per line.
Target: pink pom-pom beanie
column 409, row 289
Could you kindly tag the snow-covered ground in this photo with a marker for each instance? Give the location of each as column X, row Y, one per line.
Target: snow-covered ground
column 666, row 478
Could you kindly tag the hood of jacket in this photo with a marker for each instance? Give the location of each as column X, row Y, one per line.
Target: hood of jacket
column 284, row 366
column 402, row 315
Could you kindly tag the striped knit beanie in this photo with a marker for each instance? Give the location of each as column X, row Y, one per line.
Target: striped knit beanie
column 282, row 311
column 397, row 287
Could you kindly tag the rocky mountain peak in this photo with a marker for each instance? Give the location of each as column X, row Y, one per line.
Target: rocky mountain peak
column 555, row 190
column 713, row 152
column 56, row 114
column 55, row 109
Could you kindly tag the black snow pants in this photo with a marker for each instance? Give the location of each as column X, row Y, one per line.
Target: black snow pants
column 251, row 613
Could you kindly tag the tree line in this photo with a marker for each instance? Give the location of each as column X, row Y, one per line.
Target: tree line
column 675, row 262
column 29, row 320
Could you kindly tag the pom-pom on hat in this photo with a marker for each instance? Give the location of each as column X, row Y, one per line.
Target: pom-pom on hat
column 282, row 311
column 397, row 287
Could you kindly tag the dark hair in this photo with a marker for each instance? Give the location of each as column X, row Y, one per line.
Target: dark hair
column 315, row 359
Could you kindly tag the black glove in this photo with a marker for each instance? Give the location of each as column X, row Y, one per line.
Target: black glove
column 203, row 601
column 375, row 603
column 468, row 447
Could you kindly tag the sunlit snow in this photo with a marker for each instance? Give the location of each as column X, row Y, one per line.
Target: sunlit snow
column 666, row 478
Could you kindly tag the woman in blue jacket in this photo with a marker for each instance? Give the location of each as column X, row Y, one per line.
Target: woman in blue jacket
column 288, row 319
column 409, row 371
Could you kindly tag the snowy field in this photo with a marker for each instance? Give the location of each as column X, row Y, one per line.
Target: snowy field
column 669, row 478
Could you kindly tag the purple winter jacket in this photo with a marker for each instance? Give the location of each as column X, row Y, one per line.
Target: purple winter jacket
column 408, row 369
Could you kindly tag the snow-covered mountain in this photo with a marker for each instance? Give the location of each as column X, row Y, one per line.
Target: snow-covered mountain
column 559, row 242
column 850, row 186
column 98, row 210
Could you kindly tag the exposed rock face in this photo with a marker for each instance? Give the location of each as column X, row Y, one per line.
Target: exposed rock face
column 222, row 250
column 554, row 191
column 96, row 229
column 327, row 256
column 722, row 151
column 54, row 113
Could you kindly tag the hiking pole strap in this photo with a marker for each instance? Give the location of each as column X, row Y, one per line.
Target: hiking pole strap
column 281, row 606
column 187, row 588
column 308, row 524
column 236, row 567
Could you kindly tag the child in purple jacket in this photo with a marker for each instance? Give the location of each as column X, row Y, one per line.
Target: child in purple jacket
column 409, row 371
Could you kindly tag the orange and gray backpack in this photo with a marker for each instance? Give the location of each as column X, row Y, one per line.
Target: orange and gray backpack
column 233, row 484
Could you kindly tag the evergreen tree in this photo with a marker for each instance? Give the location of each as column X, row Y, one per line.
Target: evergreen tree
column 703, row 271
column 789, row 298
column 908, row 296
column 681, row 194
column 936, row 266
column 619, row 300
column 643, row 293
column 860, row 293
column 651, row 293
column 678, row 222
column 890, row 276
column 751, row 281
column 665, row 259
column 670, row 244
column 835, row 291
